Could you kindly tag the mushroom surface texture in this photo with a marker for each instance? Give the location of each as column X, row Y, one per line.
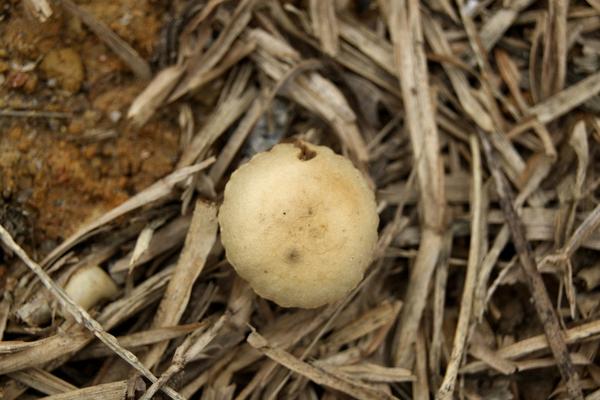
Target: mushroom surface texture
column 299, row 224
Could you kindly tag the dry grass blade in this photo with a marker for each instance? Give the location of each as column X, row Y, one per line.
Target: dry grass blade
column 199, row 240
column 373, row 319
column 373, row 373
column 106, row 391
column 378, row 50
column 463, row 326
column 13, row 346
column 204, row 61
column 405, row 27
column 439, row 302
column 154, row 95
column 514, row 165
column 542, row 302
column 498, row 23
column 142, row 245
column 129, row 56
column 547, row 362
column 140, row 339
column 554, row 65
column 511, row 76
column 325, row 25
column 42, row 381
column 471, row 105
column 566, row 100
column 256, row 109
column 188, row 350
column 492, row 359
column 537, row 343
column 45, row 350
column 320, row 376
column 222, row 118
column 581, row 234
column 163, row 240
column 421, row 387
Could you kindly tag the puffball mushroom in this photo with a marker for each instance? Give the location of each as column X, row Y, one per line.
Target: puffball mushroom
column 299, row 224
column 90, row 285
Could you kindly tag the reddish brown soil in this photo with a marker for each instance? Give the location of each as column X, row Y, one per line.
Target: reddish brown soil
column 57, row 173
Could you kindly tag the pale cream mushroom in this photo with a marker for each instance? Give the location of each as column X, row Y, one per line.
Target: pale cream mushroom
column 89, row 286
column 299, row 223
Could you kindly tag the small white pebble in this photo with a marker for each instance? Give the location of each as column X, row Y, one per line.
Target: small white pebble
column 125, row 19
column 471, row 6
column 115, row 116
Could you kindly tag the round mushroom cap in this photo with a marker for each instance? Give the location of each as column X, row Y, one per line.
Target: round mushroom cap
column 299, row 224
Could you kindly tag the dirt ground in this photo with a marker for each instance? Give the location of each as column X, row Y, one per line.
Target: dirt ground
column 57, row 171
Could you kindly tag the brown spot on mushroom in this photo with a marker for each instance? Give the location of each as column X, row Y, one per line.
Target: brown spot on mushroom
column 305, row 153
column 293, row 256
